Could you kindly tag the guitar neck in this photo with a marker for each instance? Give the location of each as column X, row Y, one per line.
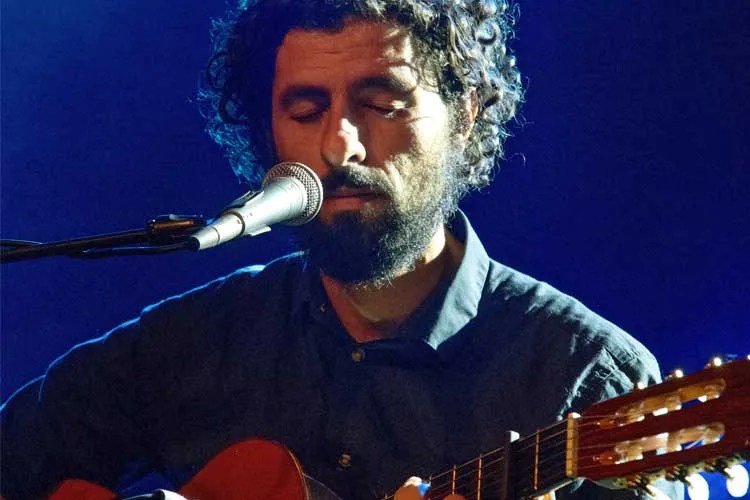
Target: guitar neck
column 666, row 431
column 541, row 462
column 525, row 467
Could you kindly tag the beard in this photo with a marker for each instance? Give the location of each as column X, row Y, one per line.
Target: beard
column 372, row 246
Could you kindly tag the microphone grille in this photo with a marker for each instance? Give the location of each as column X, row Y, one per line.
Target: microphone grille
column 310, row 182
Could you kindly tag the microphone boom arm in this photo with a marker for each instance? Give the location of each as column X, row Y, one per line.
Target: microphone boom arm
column 162, row 234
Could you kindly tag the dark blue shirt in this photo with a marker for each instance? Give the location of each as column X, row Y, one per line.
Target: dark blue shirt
column 261, row 353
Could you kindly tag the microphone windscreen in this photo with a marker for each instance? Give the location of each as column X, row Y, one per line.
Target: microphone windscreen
column 310, row 182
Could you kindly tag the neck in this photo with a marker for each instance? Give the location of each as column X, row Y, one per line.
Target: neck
column 371, row 313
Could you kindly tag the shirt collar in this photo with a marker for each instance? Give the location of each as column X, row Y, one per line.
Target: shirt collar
column 450, row 308
column 308, row 291
column 456, row 303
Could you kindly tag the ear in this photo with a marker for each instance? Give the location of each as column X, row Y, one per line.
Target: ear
column 469, row 113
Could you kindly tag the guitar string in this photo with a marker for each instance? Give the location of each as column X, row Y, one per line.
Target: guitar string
column 467, row 464
column 605, row 445
column 502, row 449
column 581, row 424
column 547, row 438
column 435, row 492
column 548, row 458
column 543, row 462
column 447, row 486
column 599, row 446
column 488, row 484
column 493, row 463
column 469, row 474
column 739, row 429
column 524, row 491
column 473, row 473
column 491, row 480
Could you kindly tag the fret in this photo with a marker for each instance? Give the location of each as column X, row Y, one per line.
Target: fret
column 536, row 460
column 506, row 489
column 453, row 481
column 523, row 468
column 479, row 478
column 586, row 446
column 539, row 461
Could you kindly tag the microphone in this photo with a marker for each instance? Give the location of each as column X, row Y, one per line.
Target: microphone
column 291, row 194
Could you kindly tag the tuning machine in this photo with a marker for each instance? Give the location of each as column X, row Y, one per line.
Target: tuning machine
column 738, row 480
column 644, row 483
column 676, row 373
column 736, row 475
column 716, row 361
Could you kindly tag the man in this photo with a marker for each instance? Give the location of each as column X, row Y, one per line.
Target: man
column 393, row 346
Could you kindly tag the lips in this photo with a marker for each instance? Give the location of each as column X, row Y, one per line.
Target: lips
column 352, row 193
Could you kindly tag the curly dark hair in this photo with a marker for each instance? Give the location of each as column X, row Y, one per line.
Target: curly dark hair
column 462, row 44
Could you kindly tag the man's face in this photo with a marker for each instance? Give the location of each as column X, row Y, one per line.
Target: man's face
column 352, row 106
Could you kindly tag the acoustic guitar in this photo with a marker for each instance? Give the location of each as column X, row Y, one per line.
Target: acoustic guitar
column 699, row 422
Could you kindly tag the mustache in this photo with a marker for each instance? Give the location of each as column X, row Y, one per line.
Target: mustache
column 356, row 178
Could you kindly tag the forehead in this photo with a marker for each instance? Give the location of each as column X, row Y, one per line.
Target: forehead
column 360, row 48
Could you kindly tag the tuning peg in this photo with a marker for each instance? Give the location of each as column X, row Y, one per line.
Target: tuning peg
column 738, row 480
column 716, row 361
column 676, row 373
column 677, row 473
column 711, row 391
column 657, row 494
column 641, row 482
column 716, row 465
column 697, row 487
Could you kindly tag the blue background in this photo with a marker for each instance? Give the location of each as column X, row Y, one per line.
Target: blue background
column 626, row 185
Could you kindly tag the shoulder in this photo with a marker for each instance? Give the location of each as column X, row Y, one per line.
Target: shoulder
column 195, row 322
column 590, row 357
column 281, row 270
column 250, row 283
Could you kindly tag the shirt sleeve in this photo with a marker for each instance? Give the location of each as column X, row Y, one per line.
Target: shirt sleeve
column 80, row 420
column 615, row 370
column 97, row 414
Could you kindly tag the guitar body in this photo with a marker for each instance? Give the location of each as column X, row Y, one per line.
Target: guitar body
column 249, row 470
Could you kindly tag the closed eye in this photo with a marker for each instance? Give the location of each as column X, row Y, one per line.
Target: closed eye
column 307, row 117
column 385, row 111
column 306, row 111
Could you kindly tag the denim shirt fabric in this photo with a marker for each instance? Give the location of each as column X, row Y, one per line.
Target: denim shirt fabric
column 261, row 353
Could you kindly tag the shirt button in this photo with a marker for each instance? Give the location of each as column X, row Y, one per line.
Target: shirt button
column 358, row 354
column 345, row 461
column 323, row 307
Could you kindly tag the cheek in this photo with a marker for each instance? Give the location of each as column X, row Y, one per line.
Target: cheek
column 432, row 135
column 291, row 143
column 387, row 141
column 420, row 170
column 423, row 137
column 280, row 137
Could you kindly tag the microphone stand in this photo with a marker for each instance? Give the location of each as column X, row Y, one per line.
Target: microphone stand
column 165, row 233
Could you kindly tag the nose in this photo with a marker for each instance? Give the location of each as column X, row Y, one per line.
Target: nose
column 342, row 143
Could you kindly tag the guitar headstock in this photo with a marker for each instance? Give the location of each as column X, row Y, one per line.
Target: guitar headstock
column 698, row 422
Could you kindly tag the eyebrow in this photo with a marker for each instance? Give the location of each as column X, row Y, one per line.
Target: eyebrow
column 295, row 93
column 303, row 92
column 387, row 83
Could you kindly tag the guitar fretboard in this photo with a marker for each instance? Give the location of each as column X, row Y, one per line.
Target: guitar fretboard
column 537, row 464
